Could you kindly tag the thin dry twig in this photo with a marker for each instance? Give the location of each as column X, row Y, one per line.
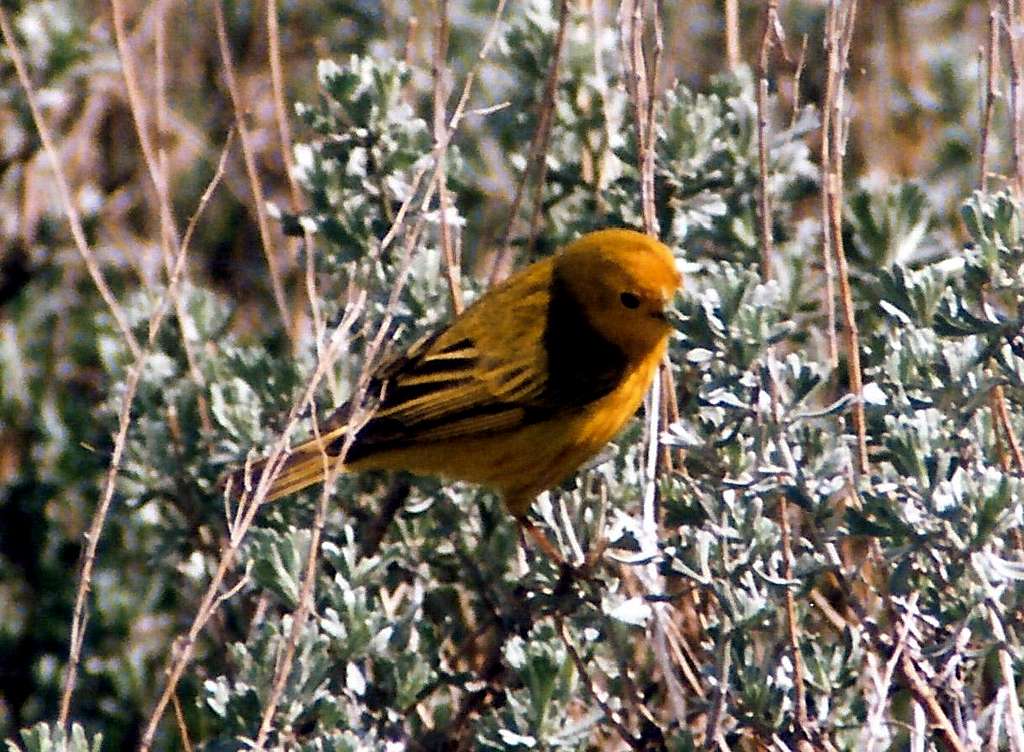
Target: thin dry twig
column 284, row 135
column 179, row 717
column 452, row 265
column 797, row 77
column 641, row 94
column 536, row 156
column 1014, row 720
column 793, row 626
column 838, row 36
column 168, row 227
column 723, row 664
column 588, row 687
column 991, row 53
column 997, row 398
column 880, row 684
column 1002, row 416
column 770, row 37
column 262, row 221
column 284, row 131
column 299, row 618
column 79, row 616
column 924, row 696
column 250, row 504
column 641, row 89
column 333, row 467
column 827, row 235
column 157, row 169
column 136, row 103
column 732, row 35
column 1014, row 32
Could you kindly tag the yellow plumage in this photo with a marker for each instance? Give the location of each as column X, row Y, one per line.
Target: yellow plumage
column 531, row 380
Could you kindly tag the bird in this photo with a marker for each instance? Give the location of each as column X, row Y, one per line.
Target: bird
column 521, row 388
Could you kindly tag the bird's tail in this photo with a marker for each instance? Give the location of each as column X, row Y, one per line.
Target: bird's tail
column 306, row 465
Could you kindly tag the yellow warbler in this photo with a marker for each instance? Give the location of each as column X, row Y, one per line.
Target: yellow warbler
column 531, row 380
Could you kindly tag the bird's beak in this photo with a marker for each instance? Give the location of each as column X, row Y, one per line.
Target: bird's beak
column 662, row 313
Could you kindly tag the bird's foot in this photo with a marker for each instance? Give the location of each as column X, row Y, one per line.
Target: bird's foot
column 568, row 571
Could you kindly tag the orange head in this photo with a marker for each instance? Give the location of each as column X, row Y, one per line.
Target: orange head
column 624, row 281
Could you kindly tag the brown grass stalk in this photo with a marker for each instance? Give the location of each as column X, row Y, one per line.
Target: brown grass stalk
column 452, row 265
column 79, row 617
column 838, row 36
column 136, row 104
column 772, row 36
column 284, row 135
column 641, row 90
column 158, row 170
column 827, row 235
column 256, row 185
column 156, row 163
column 179, row 717
column 1002, row 416
column 997, row 397
column 301, row 615
column 536, row 157
column 991, row 56
column 1012, row 20
column 720, row 691
column 641, row 93
column 333, row 467
column 168, row 228
column 284, row 129
column 797, row 77
column 732, row 35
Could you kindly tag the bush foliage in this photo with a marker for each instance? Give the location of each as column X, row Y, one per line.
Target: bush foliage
column 787, row 596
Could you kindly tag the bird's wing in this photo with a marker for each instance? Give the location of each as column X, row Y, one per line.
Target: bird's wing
column 487, row 372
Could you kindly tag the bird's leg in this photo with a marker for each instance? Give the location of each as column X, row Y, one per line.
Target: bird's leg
column 541, row 541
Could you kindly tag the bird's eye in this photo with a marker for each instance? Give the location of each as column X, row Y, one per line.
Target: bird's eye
column 630, row 300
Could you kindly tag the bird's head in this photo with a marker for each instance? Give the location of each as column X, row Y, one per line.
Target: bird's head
column 624, row 282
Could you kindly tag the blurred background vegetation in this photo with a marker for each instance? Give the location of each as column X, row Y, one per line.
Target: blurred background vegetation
column 795, row 594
